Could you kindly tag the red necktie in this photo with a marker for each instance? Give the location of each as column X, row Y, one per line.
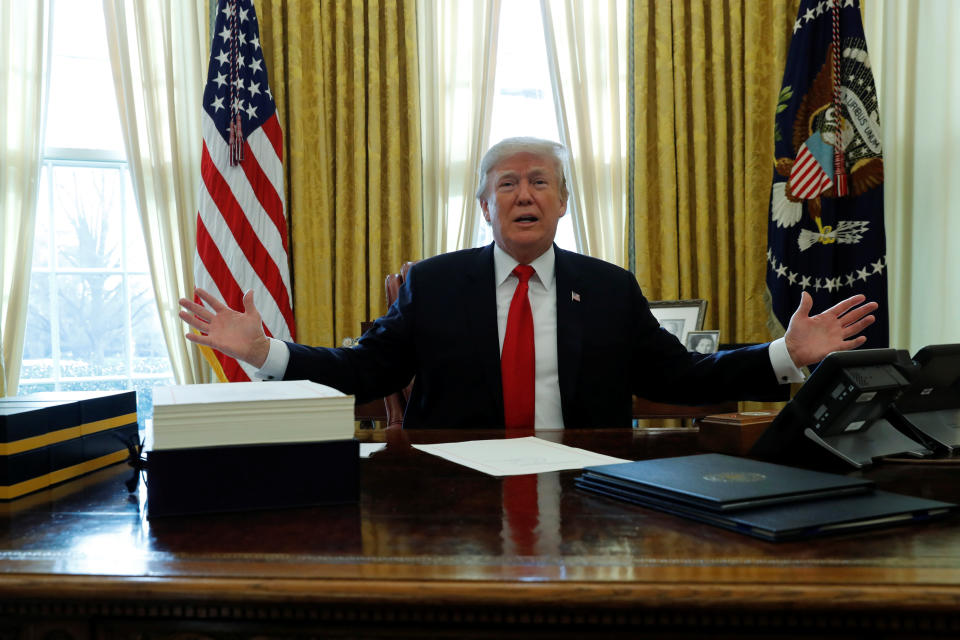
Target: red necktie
column 517, row 361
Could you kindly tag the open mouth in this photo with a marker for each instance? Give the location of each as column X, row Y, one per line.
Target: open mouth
column 528, row 218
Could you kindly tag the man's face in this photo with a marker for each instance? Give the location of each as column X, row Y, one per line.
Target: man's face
column 523, row 204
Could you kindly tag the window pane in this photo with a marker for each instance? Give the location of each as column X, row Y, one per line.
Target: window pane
column 82, row 107
column 92, row 336
column 41, row 234
column 565, row 236
column 136, row 249
column 149, row 348
column 94, row 385
column 38, row 343
column 87, row 217
column 144, row 388
column 79, row 29
column 523, row 98
column 26, row 388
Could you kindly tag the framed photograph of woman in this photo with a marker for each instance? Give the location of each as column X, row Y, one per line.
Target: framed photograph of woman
column 679, row 317
column 703, row 341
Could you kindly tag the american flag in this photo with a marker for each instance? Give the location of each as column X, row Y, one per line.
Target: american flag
column 241, row 227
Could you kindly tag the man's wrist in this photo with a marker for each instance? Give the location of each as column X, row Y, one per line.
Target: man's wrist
column 783, row 365
column 275, row 365
column 259, row 351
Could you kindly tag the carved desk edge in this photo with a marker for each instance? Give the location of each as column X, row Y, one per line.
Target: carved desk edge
column 227, row 592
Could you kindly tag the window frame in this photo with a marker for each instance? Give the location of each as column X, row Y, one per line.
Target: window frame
column 87, row 159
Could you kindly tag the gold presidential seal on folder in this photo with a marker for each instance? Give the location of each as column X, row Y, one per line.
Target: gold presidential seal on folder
column 734, row 476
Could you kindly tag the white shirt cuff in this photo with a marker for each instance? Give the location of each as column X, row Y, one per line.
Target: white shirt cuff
column 276, row 363
column 782, row 363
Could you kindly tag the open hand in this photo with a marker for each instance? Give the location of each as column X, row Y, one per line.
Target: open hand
column 810, row 338
column 238, row 335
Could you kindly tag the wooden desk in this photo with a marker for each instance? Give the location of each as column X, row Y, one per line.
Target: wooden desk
column 428, row 551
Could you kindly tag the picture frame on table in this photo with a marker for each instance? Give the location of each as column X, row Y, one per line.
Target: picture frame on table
column 703, row 341
column 680, row 317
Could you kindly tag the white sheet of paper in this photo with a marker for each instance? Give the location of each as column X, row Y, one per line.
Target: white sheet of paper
column 516, row 456
column 366, row 448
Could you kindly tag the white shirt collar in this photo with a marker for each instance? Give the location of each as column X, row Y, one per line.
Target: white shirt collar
column 504, row 264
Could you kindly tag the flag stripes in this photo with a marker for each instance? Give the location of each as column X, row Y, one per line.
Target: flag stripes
column 271, row 228
column 241, row 256
column 274, row 134
column 260, row 255
column 227, row 289
column 267, row 195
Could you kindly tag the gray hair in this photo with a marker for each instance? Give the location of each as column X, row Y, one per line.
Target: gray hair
column 512, row 146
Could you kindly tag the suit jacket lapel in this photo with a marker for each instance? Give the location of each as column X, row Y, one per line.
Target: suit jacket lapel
column 479, row 306
column 569, row 325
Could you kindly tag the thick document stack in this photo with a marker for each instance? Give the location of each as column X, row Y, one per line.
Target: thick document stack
column 250, row 445
column 49, row 437
column 199, row 415
column 761, row 499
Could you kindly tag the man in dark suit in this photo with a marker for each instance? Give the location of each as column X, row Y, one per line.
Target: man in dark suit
column 596, row 342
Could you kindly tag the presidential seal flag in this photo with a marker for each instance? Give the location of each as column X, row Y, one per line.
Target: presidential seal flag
column 825, row 233
column 241, row 225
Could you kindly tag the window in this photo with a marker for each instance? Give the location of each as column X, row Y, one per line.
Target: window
column 523, row 102
column 92, row 321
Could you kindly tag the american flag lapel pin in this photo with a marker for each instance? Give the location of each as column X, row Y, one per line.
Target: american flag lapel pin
column 575, row 296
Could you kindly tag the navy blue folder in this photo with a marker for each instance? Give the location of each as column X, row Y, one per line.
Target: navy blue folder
column 763, row 500
column 723, row 483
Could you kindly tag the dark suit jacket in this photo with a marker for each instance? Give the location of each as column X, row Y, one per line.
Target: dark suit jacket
column 443, row 329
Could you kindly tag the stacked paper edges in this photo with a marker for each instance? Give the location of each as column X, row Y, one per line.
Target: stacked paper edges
column 204, row 415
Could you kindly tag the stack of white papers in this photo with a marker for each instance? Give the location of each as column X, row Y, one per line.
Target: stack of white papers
column 207, row 415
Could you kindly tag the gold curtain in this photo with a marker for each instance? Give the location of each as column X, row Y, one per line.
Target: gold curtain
column 344, row 75
column 706, row 75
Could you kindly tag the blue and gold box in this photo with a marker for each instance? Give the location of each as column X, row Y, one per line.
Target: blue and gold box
column 49, row 437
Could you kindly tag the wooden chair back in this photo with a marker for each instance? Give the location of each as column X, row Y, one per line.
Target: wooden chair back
column 396, row 403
